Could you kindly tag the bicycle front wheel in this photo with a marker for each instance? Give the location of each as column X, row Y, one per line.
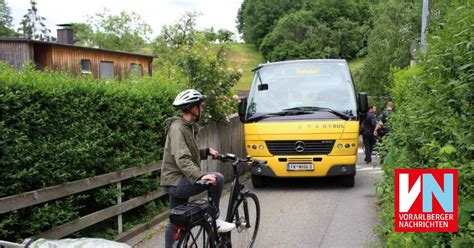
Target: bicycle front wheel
column 246, row 217
column 197, row 236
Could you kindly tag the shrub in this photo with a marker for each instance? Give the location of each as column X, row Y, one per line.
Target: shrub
column 56, row 128
column 207, row 72
column 433, row 124
column 185, row 56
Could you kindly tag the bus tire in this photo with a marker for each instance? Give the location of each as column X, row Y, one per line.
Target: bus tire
column 348, row 180
column 257, row 181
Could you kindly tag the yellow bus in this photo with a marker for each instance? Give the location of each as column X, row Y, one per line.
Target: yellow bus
column 302, row 117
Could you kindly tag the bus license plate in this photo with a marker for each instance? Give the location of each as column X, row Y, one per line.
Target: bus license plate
column 300, row 167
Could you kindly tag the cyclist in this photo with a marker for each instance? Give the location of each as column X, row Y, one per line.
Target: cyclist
column 181, row 159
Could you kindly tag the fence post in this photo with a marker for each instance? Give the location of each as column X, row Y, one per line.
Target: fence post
column 119, row 201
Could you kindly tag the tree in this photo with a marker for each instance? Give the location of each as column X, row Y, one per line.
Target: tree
column 124, row 32
column 182, row 33
column 349, row 21
column 291, row 30
column 255, row 19
column 210, row 34
column 348, row 37
column 298, row 35
column 5, row 20
column 184, row 58
column 224, row 35
column 83, row 34
column 32, row 25
column 396, row 28
column 328, row 29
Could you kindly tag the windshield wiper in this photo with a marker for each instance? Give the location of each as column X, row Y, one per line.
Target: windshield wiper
column 316, row 109
column 282, row 113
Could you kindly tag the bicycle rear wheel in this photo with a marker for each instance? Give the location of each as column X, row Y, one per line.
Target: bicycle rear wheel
column 246, row 217
column 197, row 236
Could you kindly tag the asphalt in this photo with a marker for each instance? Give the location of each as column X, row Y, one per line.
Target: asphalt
column 316, row 212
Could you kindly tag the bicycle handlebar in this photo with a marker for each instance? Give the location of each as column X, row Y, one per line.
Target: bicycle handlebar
column 229, row 157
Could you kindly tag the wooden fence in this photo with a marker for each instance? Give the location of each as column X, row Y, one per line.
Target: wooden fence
column 224, row 138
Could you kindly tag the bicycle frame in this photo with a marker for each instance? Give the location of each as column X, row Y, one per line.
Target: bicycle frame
column 235, row 192
column 238, row 189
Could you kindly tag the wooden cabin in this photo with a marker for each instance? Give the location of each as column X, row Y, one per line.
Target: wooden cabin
column 101, row 63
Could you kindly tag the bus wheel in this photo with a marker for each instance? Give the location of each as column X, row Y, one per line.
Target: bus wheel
column 348, row 180
column 257, row 181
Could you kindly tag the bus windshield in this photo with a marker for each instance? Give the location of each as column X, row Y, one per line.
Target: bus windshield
column 322, row 84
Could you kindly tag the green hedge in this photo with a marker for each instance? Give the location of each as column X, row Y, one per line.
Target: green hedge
column 433, row 126
column 56, row 128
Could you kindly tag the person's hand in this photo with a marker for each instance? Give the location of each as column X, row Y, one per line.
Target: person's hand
column 376, row 133
column 213, row 152
column 210, row 177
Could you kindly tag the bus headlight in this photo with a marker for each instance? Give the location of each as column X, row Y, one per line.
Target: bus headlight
column 339, row 146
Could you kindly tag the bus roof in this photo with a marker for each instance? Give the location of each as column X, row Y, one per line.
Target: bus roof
column 299, row 61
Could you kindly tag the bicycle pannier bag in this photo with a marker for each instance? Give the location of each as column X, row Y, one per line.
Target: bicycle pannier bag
column 188, row 213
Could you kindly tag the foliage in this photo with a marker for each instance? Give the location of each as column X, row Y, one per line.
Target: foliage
column 124, row 32
column 182, row 33
column 56, row 128
column 349, row 22
column 5, row 20
column 210, row 34
column 396, row 31
column 185, row 56
column 224, row 35
column 208, row 73
column 221, row 35
column 256, row 18
column 297, row 35
column 306, row 29
column 32, row 25
column 433, row 123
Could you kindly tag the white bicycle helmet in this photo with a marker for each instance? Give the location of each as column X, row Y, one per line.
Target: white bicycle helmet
column 188, row 98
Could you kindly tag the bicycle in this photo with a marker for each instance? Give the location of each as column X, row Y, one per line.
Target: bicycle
column 196, row 223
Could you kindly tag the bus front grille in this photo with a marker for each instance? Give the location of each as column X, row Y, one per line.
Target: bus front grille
column 300, row 147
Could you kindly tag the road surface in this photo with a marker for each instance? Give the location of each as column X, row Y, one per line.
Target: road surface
column 308, row 213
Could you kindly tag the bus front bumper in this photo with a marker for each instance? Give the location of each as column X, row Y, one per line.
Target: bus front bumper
column 328, row 166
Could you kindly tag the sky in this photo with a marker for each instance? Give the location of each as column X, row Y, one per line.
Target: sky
column 215, row 13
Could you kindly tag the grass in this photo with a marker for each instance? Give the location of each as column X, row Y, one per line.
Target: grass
column 245, row 57
column 356, row 64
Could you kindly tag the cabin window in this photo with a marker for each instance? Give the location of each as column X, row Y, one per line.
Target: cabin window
column 85, row 66
column 106, row 69
column 136, row 69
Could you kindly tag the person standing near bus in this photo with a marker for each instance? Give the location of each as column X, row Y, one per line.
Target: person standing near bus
column 383, row 126
column 181, row 159
column 368, row 133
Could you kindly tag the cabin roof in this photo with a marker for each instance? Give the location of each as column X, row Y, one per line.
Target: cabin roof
column 26, row 40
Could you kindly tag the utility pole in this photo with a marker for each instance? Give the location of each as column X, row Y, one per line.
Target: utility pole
column 424, row 24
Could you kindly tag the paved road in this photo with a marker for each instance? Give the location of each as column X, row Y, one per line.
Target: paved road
column 309, row 213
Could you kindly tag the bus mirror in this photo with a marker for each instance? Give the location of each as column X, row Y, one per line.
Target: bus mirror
column 242, row 108
column 363, row 102
column 262, row 87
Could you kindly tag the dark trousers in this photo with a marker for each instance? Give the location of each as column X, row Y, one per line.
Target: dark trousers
column 180, row 195
column 369, row 142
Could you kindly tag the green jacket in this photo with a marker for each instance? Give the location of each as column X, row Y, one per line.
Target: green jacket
column 181, row 156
